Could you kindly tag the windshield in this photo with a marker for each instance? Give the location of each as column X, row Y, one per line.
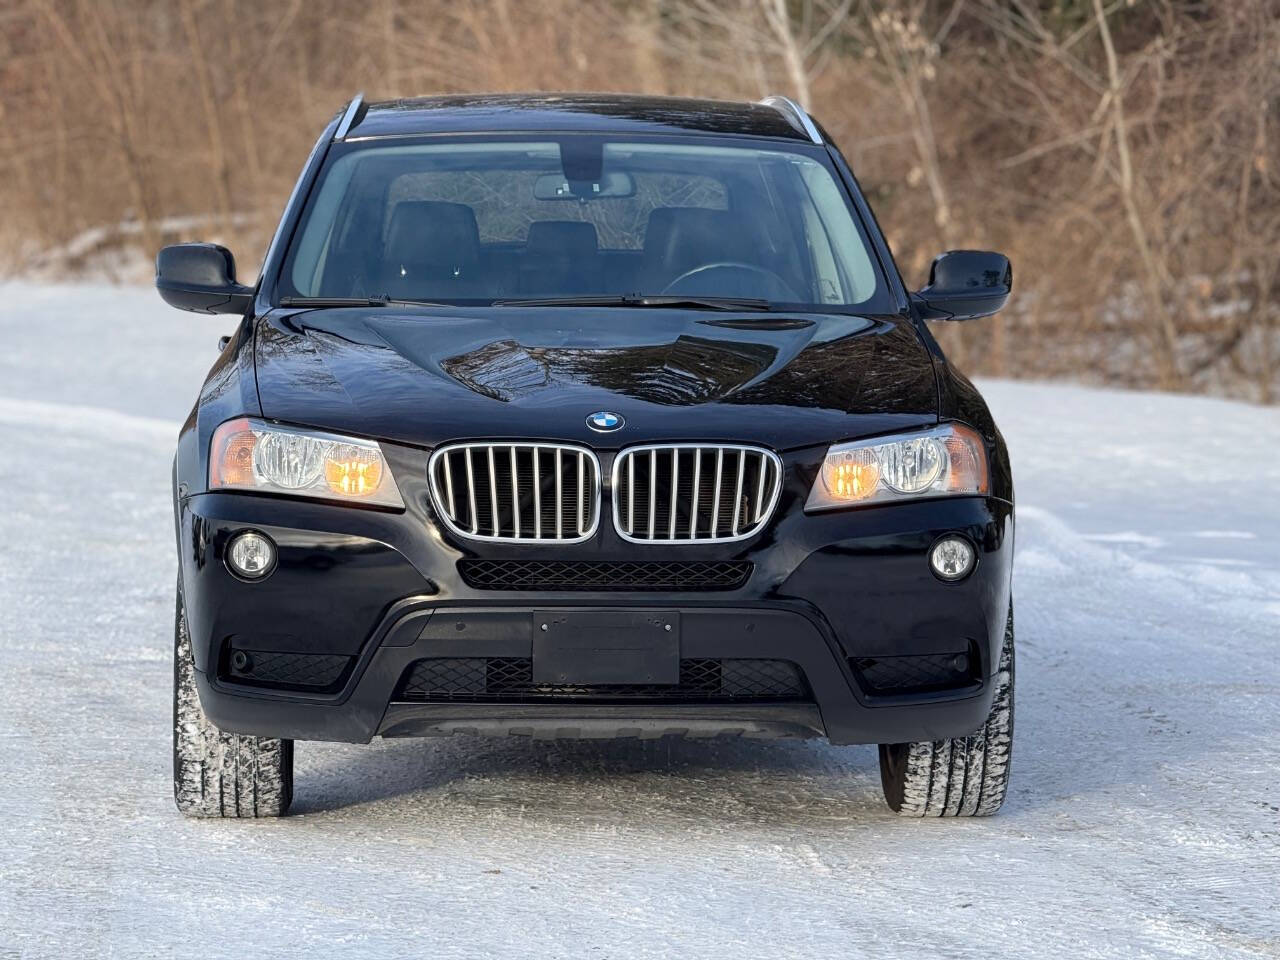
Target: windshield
column 579, row 217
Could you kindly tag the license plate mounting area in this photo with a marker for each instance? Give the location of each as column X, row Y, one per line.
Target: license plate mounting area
column 590, row 647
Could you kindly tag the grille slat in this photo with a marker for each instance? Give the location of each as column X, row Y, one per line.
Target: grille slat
column 693, row 501
column 471, row 492
column 737, row 496
column 537, row 496
column 760, row 491
column 675, row 488
column 715, row 498
column 513, row 483
column 515, row 490
column 605, row 575
column 448, row 480
column 493, row 494
column 487, row 679
column 581, row 481
column 667, row 492
column 631, row 494
column 653, row 490
column 559, row 495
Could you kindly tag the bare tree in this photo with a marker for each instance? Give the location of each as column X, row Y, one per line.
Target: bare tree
column 795, row 34
column 1123, row 152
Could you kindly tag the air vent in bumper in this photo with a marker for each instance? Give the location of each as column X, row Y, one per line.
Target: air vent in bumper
column 694, row 493
column 926, row 673
column 510, row 679
column 601, row 575
column 517, row 492
column 290, row 671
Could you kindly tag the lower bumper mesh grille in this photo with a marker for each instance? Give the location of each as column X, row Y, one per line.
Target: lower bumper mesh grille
column 488, row 679
column 604, row 575
column 916, row 674
column 289, row 670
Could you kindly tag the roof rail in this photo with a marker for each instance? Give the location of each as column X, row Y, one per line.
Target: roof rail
column 348, row 117
column 796, row 114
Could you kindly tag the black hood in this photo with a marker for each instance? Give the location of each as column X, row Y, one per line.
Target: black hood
column 425, row 377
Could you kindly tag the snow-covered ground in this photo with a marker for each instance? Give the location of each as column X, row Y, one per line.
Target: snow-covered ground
column 1143, row 818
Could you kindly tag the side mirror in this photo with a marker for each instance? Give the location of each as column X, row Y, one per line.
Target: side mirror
column 201, row 277
column 966, row 284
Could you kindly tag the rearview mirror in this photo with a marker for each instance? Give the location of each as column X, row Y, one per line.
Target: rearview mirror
column 966, row 284
column 615, row 184
column 200, row 277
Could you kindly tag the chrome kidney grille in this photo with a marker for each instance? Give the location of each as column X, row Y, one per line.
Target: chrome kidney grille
column 517, row 492
column 694, row 493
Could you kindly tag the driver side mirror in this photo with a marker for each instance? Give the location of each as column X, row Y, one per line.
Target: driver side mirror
column 966, row 284
column 200, row 277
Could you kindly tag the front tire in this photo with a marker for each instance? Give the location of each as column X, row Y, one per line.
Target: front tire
column 959, row 776
column 217, row 774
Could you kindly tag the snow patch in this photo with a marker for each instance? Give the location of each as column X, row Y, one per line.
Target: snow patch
column 94, row 421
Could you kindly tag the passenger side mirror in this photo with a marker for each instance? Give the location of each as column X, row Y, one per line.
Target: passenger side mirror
column 201, row 277
column 966, row 284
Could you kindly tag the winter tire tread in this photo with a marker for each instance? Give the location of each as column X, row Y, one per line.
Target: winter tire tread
column 219, row 774
column 958, row 776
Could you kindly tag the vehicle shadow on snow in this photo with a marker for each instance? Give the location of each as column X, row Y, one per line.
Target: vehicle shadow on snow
column 1063, row 726
column 794, row 780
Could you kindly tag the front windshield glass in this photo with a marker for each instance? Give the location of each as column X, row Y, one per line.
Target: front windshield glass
column 580, row 216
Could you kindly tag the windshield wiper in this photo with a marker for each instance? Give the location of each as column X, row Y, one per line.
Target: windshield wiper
column 333, row 301
column 379, row 301
column 672, row 301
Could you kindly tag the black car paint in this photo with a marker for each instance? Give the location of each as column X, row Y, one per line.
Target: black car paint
column 349, row 578
column 434, row 374
column 605, row 114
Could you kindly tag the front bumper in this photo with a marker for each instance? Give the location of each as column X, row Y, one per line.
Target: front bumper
column 377, row 591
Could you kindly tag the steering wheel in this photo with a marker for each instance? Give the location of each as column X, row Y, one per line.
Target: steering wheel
column 772, row 281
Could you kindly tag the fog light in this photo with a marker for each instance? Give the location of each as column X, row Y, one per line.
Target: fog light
column 251, row 555
column 952, row 558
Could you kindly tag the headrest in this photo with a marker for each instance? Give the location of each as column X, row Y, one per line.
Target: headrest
column 686, row 237
column 434, row 232
column 561, row 238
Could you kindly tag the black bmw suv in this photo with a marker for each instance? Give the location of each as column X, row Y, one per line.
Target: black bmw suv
column 588, row 416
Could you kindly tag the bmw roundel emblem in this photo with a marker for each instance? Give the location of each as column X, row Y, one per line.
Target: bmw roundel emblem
column 604, row 421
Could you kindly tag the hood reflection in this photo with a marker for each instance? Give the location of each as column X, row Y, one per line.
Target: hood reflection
column 691, row 370
column 784, row 381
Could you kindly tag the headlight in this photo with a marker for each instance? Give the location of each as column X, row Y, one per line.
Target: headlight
column 950, row 459
column 252, row 455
